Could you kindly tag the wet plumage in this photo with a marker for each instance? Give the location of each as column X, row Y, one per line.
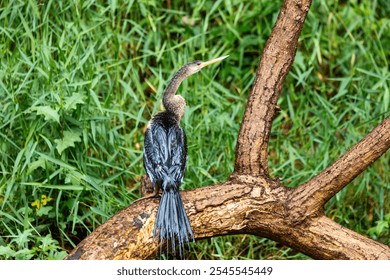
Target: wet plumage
column 165, row 158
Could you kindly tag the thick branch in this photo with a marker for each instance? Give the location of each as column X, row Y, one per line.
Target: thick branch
column 324, row 186
column 337, row 242
column 256, row 204
column 243, row 205
column 277, row 58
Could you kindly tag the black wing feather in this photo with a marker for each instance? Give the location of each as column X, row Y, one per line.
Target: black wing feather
column 165, row 157
column 165, row 151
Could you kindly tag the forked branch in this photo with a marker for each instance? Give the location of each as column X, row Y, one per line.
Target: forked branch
column 245, row 204
column 250, row 201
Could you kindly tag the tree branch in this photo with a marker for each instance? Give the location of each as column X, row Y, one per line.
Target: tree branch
column 250, row 202
column 316, row 192
column 337, row 242
column 244, row 204
column 277, row 58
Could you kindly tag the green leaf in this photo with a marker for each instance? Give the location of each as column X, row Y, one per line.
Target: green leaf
column 7, row 252
column 47, row 242
column 23, row 237
column 72, row 101
column 60, row 255
column 48, row 112
column 381, row 227
column 40, row 162
column 44, row 211
column 24, row 254
column 70, row 137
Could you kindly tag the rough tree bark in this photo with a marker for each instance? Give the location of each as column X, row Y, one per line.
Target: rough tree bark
column 250, row 201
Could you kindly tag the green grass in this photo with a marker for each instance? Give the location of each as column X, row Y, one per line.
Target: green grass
column 80, row 79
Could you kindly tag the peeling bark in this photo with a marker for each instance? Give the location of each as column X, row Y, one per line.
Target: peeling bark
column 250, row 201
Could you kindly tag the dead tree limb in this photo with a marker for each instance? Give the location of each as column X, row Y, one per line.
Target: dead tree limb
column 250, row 201
column 325, row 185
column 278, row 56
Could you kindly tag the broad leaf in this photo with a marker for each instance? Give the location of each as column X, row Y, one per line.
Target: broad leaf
column 48, row 112
column 70, row 137
column 40, row 162
column 72, row 101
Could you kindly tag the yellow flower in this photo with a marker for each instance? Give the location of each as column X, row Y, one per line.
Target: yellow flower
column 42, row 202
column 37, row 204
column 45, row 199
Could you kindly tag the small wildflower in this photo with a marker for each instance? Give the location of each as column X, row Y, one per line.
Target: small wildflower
column 37, row 204
column 45, row 199
column 42, row 202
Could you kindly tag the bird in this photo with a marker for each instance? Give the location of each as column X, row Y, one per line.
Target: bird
column 165, row 159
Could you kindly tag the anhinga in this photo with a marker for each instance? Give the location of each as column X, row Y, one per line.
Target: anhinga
column 165, row 156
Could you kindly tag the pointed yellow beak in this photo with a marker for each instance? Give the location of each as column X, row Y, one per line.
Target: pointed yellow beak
column 206, row 63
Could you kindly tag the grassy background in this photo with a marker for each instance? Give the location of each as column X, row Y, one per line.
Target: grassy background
column 80, row 79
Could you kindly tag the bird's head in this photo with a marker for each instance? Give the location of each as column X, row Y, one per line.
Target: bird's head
column 197, row 65
column 175, row 103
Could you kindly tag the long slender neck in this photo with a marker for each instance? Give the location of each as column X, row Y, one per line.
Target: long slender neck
column 171, row 103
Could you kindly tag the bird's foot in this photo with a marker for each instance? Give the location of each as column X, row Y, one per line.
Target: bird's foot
column 155, row 195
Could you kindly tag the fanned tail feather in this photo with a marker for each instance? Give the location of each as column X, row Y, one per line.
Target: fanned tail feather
column 172, row 222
